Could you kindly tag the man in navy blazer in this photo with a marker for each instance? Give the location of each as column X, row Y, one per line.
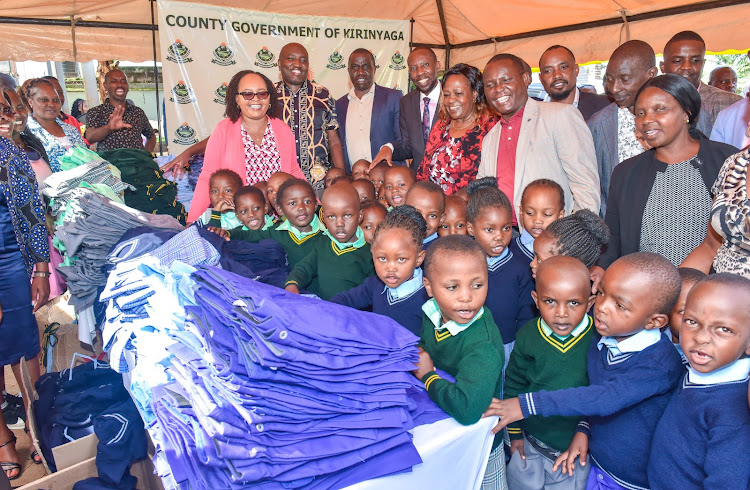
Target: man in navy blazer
column 368, row 115
column 419, row 110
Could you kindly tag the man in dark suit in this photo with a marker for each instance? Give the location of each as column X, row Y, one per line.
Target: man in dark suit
column 558, row 72
column 368, row 115
column 419, row 109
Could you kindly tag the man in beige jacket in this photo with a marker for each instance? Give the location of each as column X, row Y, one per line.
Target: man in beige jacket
column 534, row 140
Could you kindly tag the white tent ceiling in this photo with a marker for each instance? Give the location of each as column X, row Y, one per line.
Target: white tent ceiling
column 592, row 29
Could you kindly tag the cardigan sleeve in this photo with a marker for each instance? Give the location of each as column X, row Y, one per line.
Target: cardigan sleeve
column 216, row 149
column 287, row 148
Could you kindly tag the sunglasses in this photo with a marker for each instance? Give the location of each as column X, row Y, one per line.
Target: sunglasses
column 262, row 95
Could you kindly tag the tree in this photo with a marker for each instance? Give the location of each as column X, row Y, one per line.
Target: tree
column 740, row 63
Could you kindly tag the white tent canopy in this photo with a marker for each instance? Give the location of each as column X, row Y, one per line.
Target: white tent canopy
column 471, row 30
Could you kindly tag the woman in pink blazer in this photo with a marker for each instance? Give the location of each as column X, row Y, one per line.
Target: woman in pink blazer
column 251, row 140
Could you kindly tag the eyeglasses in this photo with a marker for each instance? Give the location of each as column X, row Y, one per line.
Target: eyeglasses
column 262, row 95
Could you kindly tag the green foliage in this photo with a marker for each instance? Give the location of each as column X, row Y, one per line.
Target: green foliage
column 740, row 63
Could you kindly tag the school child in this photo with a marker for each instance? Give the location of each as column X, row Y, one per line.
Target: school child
column 222, row 185
column 377, row 175
column 263, row 186
column 398, row 181
column 381, row 197
column 460, row 337
column 396, row 290
column 581, row 235
column 632, row 368
column 365, row 189
column 488, row 217
column 689, row 278
column 272, row 188
column 333, row 174
column 429, row 199
column 550, row 354
column 300, row 230
column 703, row 437
column 344, row 260
column 454, row 217
column 542, row 202
column 250, row 209
column 373, row 213
column 361, row 170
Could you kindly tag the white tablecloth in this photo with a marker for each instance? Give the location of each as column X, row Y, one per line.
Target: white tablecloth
column 454, row 456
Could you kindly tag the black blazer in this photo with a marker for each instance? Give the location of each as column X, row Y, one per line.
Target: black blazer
column 412, row 142
column 631, row 184
column 589, row 104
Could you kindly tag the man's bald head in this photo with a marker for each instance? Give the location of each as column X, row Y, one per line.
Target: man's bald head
column 724, row 78
column 635, row 51
column 422, row 50
column 631, row 65
column 295, row 47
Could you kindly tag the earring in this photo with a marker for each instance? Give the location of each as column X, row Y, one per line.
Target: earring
column 687, row 120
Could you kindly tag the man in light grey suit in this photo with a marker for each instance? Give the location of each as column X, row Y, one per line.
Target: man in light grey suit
column 418, row 110
column 613, row 128
column 535, row 140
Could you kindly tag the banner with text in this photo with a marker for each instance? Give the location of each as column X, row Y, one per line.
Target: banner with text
column 205, row 45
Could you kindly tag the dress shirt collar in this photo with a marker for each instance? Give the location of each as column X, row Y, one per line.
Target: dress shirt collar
column 514, row 119
column 357, row 243
column 527, row 240
column 287, row 226
column 432, row 310
column 575, row 333
column 634, row 343
column 429, row 239
column 737, row 371
column 434, row 95
column 493, row 261
column 407, row 287
column 370, row 93
column 577, row 97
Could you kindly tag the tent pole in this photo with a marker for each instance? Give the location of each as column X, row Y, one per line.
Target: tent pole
column 411, row 34
column 156, row 80
column 447, row 46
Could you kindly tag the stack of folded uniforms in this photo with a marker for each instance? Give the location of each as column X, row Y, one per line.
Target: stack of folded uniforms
column 91, row 399
column 152, row 192
column 85, row 233
column 243, row 384
column 97, row 175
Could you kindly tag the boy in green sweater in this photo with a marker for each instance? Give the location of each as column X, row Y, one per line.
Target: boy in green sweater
column 343, row 260
column 460, row 337
column 550, row 354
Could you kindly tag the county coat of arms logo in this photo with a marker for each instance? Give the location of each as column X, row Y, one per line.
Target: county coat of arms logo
column 178, row 52
column 184, row 135
column 223, row 55
column 397, row 62
column 335, row 61
column 220, row 94
column 265, row 58
column 182, row 94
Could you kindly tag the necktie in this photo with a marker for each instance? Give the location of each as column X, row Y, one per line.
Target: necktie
column 426, row 119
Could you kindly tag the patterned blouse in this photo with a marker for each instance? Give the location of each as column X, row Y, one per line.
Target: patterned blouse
column 53, row 145
column 450, row 162
column 730, row 216
column 261, row 161
column 26, row 209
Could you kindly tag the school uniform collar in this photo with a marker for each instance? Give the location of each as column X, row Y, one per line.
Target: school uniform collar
column 432, row 310
column 408, row 287
column 287, row 226
column 429, row 239
column 634, row 343
column 527, row 240
column 359, row 242
column 737, row 371
column 494, row 262
column 575, row 333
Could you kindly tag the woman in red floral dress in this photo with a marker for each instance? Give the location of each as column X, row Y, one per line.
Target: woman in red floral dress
column 454, row 148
